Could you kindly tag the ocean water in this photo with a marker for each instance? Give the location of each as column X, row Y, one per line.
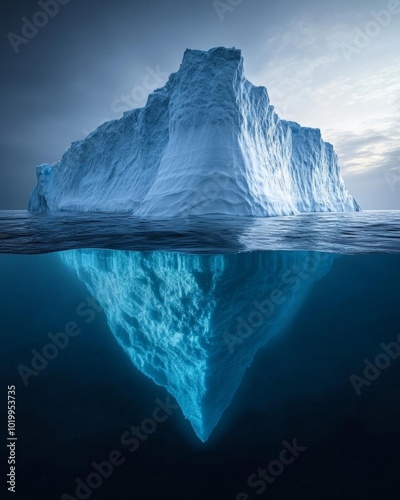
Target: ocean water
column 343, row 233
column 195, row 359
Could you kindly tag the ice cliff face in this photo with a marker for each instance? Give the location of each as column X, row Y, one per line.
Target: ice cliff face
column 208, row 142
column 193, row 323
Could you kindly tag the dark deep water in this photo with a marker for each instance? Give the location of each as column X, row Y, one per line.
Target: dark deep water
column 331, row 318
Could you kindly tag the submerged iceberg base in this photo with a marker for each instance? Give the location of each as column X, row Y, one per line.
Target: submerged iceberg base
column 193, row 324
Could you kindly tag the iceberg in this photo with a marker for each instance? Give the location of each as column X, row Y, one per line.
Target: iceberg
column 193, row 323
column 208, row 142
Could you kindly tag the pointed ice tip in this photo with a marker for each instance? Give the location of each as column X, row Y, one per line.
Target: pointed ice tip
column 204, row 420
column 202, row 433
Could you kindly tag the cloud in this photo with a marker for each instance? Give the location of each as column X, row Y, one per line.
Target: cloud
column 360, row 154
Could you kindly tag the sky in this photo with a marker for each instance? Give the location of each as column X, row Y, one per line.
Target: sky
column 328, row 65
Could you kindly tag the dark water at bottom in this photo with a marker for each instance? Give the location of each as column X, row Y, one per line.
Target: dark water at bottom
column 331, row 318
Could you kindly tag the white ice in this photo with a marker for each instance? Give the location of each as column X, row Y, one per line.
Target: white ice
column 208, row 142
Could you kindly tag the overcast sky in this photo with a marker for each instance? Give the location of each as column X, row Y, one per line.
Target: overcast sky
column 328, row 65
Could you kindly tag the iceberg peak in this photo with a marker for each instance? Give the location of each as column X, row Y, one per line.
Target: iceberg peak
column 208, row 142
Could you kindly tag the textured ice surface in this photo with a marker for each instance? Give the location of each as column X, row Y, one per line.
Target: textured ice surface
column 208, row 142
column 193, row 323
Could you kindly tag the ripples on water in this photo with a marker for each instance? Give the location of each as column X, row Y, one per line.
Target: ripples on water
column 344, row 233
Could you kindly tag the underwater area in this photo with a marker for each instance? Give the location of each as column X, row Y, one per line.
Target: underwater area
column 241, row 360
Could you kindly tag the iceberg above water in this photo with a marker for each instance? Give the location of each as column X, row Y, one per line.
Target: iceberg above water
column 208, row 142
column 193, row 323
